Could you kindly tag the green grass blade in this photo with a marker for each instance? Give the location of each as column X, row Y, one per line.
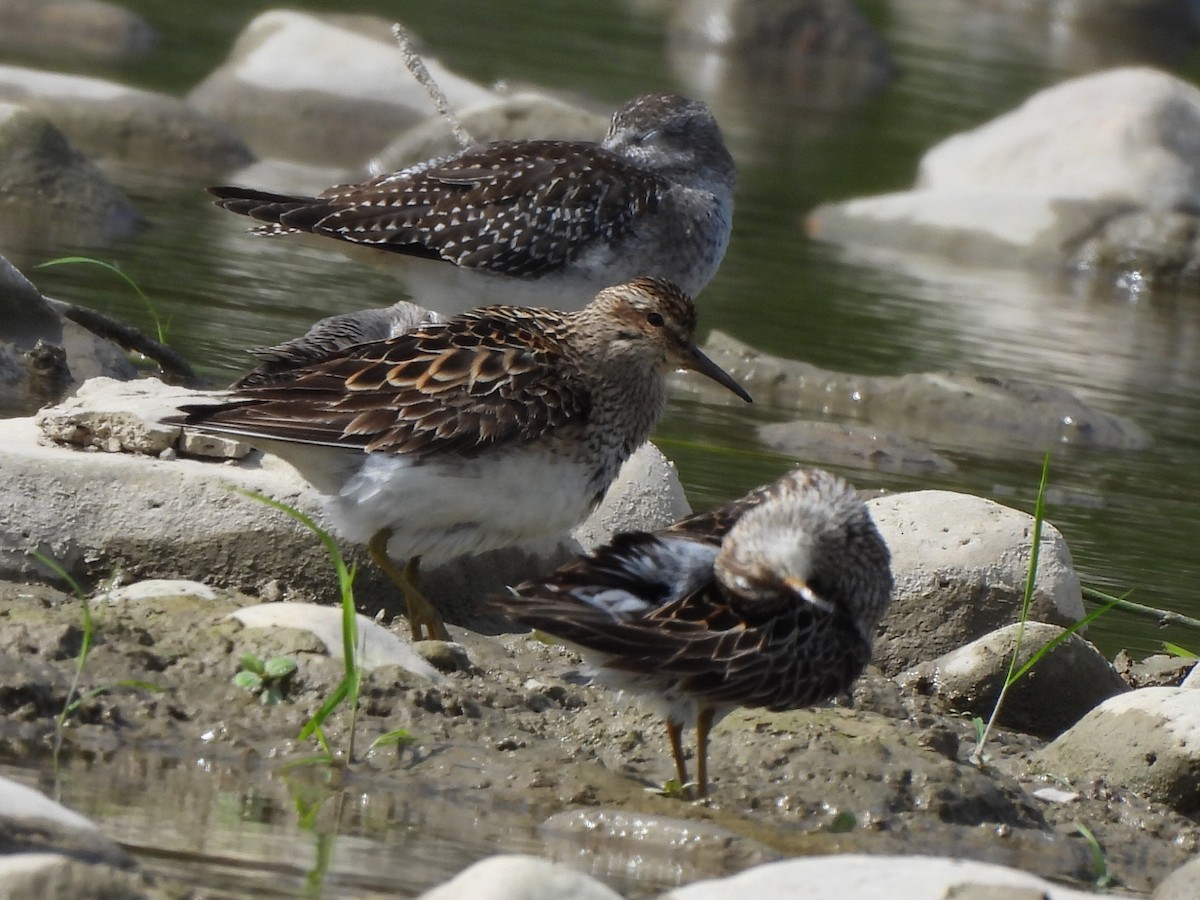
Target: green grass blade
column 1058, row 639
column 160, row 326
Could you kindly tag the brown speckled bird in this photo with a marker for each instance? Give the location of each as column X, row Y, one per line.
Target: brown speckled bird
column 538, row 222
column 771, row 601
column 500, row 426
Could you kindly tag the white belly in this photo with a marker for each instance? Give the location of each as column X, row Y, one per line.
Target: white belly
column 446, row 508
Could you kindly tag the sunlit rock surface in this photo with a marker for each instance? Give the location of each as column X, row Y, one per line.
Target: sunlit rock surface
column 322, row 89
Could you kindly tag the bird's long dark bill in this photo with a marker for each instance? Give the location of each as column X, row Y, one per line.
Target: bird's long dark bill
column 706, row 366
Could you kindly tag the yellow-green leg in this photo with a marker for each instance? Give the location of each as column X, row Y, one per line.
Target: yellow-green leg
column 703, row 727
column 675, row 736
column 422, row 615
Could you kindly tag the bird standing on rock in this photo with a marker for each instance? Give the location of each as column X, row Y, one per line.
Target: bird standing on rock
column 771, row 601
column 500, row 426
column 537, row 222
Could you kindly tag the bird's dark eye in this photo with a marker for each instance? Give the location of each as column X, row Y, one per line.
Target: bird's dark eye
column 655, row 319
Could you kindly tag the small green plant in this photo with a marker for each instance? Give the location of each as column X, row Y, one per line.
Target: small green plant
column 75, row 698
column 1101, row 877
column 674, row 788
column 1016, row 673
column 161, row 327
column 348, row 688
column 267, row 678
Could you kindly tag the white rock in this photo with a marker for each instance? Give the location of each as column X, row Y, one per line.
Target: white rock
column 153, row 588
column 302, row 87
column 20, row 802
column 646, row 495
column 112, row 121
column 959, row 564
column 1147, row 740
column 376, row 645
column 1031, row 185
column 857, row 877
column 516, row 877
column 1123, row 134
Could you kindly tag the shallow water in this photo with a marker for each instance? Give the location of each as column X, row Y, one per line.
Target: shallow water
column 1130, row 517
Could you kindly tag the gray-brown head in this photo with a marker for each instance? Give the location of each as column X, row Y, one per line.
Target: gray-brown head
column 811, row 541
column 650, row 319
column 672, row 135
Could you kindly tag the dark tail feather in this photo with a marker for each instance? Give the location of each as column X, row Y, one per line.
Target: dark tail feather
column 288, row 210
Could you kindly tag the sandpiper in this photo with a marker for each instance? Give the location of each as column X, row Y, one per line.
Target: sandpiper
column 771, row 601
column 538, row 222
column 500, row 426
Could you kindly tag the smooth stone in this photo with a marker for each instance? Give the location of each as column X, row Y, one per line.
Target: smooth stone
column 157, row 588
column 522, row 116
column 1182, row 884
column 1034, row 186
column 52, row 192
column 960, row 564
column 376, row 645
column 518, row 877
column 74, row 29
column 861, row 877
column 31, row 820
column 30, row 327
column 1147, row 740
column 956, row 410
column 289, row 71
column 1066, row 684
column 141, row 129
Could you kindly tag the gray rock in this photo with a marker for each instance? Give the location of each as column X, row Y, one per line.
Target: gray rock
column 1035, row 184
column 1182, row 884
column 43, row 356
column 815, row 53
column 157, row 517
column 1147, row 740
column 960, row 564
column 526, row 115
column 330, row 90
column 1065, row 684
column 74, row 29
column 49, row 190
column 516, row 877
column 849, row 445
column 946, row 409
column 859, row 877
column 116, row 123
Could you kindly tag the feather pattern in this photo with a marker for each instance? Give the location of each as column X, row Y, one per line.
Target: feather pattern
column 708, row 610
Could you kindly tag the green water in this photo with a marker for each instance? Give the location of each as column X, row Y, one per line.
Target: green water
column 1133, row 523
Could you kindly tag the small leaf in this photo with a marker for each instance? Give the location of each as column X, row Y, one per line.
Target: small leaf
column 249, row 681
column 843, row 823
column 401, row 737
column 270, row 696
column 252, row 663
column 279, row 667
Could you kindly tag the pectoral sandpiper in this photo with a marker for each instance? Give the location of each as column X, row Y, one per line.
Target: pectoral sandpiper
column 771, row 601
column 500, row 426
